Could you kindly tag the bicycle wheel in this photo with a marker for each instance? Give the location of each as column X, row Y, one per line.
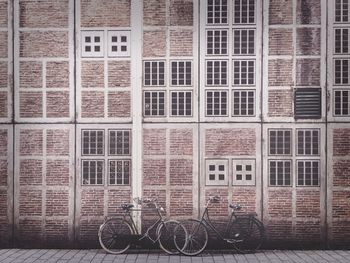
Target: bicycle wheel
column 247, row 234
column 166, row 232
column 197, row 238
column 114, row 235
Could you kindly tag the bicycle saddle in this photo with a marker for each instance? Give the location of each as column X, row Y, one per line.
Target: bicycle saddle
column 236, row 207
column 127, row 206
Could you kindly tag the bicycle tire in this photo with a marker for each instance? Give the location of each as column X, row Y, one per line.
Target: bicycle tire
column 196, row 239
column 114, row 235
column 165, row 234
column 248, row 234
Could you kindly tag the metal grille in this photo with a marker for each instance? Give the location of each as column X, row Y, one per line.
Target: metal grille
column 307, row 102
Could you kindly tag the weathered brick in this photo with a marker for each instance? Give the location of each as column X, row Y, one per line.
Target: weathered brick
column 280, row 103
column 3, row 173
column 154, row 12
column 118, row 74
column 92, row 74
column 57, row 74
column 4, row 75
column 280, row 41
column 3, row 104
column 31, row 172
column 308, row 204
column 154, row 141
column 181, row 172
column 107, row 13
column 31, row 142
column 308, row 41
column 181, row 12
column 30, row 202
column 308, row 12
column 154, row 43
column 341, row 173
column 3, row 142
column 340, row 204
column 56, row 231
column 308, row 72
column 57, row 142
column 340, row 232
column 30, row 104
column 181, row 42
column 341, row 142
column 3, row 203
column 280, row 203
column 119, row 104
column 3, row 13
column 57, row 172
column 92, row 202
column 42, row 14
column 280, row 12
column 154, row 172
column 3, row 45
column 308, row 231
column 246, row 197
column 57, row 104
column 30, row 230
column 221, row 208
column 88, row 230
column 280, row 72
column 36, row 44
column 57, row 203
column 238, row 141
column 115, row 199
column 181, row 203
column 160, row 194
column 92, row 104
column 30, row 74
column 181, row 142
column 277, row 230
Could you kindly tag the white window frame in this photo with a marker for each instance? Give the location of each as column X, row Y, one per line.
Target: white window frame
column 91, row 142
column 185, row 107
column 240, row 12
column 125, row 178
column 244, row 44
column 160, row 76
column 305, row 145
column 341, row 72
column 157, row 92
column 341, row 11
column 241, row 73
column 214, row 103
column 177, row 75
column 125, row 142
column 246, row 102
column 87, row 181
column 284, row 161
column 284, row 142
column 221, row 11
column 92, row 44
column 342, row 91
column 119, row 34
column 341, row 40
column 216, row 172
column 304, row 174
column 212, row 72
column 223, row 46
column 243, row 172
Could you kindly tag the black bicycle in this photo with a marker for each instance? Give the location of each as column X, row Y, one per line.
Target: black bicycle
column 117, row 234
column 243, row 230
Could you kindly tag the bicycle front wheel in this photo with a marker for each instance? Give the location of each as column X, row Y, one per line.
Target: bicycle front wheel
column 166, row 235
column 114, row 235
column 247, row 234
column 196, row 240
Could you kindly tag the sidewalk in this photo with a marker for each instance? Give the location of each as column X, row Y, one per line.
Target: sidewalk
column 95, row 256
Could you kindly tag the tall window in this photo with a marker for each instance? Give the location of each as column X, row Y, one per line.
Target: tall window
column 308, row 172
column 244, row 41
column 280, row 172
column 308, row 142
column 181, row 103
column 341, row 11
column 244, row 72
column 244, row 11
column 243, row 103
column 217, row 42
column 154, row 103
column 217, row 12
column 341, row 71
column 341, row 102
column 216, row 102
column 280, row 142
column 154, row 73
column 181, row 73
column 217, row 73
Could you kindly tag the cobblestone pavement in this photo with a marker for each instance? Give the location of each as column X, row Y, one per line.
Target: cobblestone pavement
column 64, row 255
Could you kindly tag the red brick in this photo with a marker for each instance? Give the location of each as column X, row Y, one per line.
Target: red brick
column 280, row 203
column 3, row 45
column 92, row 202
column 3, row 203
column 3, row 173
column 30, row 104
column 118, row 74
column 92, row 104
column 57, row 142
column 280, row 72
column 3, row 104
column 181, row 12
column 308, row 12
column 3, row 142
column 161, row 200
column 220, row 209
column 308, row 231
column 246, row 197
column 308, row 41
column 42, row 14
column 280, row 103
column 31, row 74
column 107, row 13
column 154, row 141
column 308, row 204
column 30, row 202
column 116, row 198
column 57, row 203
column 30, row 230
column 119, row 104
column 57, row 104
column 221, row 142
column 181, row 142
column 88, row 229
column 56, row 231
column 154, row 172
column 181, row 42
column 280, row 12
column 154, row 43
column 308, row 72
column 341, row 142
column 92, row 74
column 31, row 172
column 154, row 12
column 181, row 172
column 57, row 74
column 341, row 173
column 279, row 230
column 4, row 75
column 31, row 142
column 57, row 172
column 181, row 203
column 280, row 41
column 341, row 232
column 340, row 204
column 3, row 13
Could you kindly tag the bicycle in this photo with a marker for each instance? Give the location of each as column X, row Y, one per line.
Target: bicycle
column 243, row 230
column 117, row 234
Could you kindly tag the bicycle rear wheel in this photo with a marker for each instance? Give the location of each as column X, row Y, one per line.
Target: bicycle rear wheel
column 114, row 235
column 166, row 232
column 247, row 234
column 196, row 240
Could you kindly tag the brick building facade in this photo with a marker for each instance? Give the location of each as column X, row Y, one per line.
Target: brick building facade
column 105, row 100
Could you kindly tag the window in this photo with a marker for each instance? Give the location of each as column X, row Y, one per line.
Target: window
column 217, row 12
column 307, row 103
column 92, row 172
column 244, row 41
column 341, row 40
column 341, row 11
column 119, row 172
column 119, row 142
column 243, row 172
column 93, row 142
column 92, row 44
column 280, row 142
column 216, row 73
column 341, row 71
column 181, row 73
column 244, row 12
column 341, row 103
column 118, row 43
column 216, row 171
column 243, row 103
column 181, row 103
column 308, row 142
column 280, row 172
column 217, row 42
column 308, row 172
column 244, row 72
column 154, row 103
column 216, row 102
column 154, row 73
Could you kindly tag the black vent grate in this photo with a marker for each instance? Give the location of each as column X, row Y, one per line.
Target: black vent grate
column 307, row 103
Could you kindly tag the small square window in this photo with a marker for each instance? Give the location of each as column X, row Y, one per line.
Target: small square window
column 238, row 167
column 115, row 48
column 211, row 177
column 88, row 39
column 118, row 43
column 243, row 172
column 221, row 177
column 97, row 39
column 114, row 39
column 216, row 172
column 97, row 49
column 248, row 167
column 248, row 177
column 238, row 177
column 92, row 43
column 124, row 39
